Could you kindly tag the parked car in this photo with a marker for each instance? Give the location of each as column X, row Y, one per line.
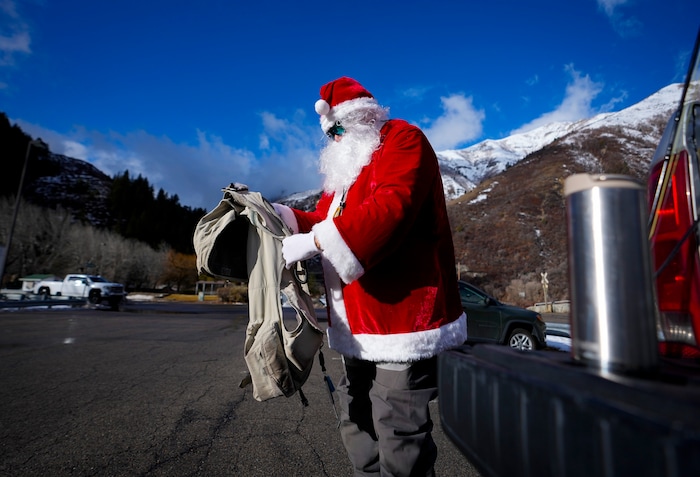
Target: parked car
column 94, row 288
column 490, row 321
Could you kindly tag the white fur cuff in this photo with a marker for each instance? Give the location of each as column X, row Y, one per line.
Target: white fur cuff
column 337, row 252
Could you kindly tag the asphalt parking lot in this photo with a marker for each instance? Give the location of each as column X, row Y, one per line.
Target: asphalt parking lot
column 152, row 390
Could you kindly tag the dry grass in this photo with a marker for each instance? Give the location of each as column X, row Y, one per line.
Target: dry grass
column 182, row 297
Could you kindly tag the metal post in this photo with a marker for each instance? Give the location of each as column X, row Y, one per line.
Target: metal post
column 39, row 144
column 545, row 287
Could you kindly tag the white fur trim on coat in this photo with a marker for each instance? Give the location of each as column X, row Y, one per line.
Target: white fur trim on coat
column 397, row 347
column 390, row 348
column 337, row 252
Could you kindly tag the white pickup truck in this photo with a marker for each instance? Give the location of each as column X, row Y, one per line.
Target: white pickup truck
column 94, row 288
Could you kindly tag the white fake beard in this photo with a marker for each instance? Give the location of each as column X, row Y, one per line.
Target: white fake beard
column 342, row 161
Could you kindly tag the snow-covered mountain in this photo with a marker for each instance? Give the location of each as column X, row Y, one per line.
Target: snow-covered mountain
column 511, row 226
column 463, row 169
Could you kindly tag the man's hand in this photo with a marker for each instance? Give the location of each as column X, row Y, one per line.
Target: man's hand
column 298, row 247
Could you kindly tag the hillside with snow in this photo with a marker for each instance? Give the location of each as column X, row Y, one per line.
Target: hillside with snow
column 510, row 227
column 463, row 169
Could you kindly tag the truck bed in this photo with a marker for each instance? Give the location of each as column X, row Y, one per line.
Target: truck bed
column 543, row 414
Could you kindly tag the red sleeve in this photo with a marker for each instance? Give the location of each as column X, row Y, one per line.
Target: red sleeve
column 306, row 220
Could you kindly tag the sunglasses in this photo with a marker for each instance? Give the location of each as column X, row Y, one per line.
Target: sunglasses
column 336, row 130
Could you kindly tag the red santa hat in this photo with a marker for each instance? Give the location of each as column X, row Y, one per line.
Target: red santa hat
column 339, row 98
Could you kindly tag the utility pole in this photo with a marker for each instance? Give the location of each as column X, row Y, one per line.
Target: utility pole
column 38, row 144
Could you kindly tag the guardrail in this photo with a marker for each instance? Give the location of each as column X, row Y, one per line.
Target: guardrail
column 558, row 329
column 561, row 306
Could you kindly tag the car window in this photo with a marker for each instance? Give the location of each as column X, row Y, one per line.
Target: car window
column 468, row 296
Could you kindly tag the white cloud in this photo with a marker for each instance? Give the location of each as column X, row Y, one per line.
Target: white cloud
column 290, row 163
column 532, row 80
column 459, row 123
column 9, row 8
column 609, row 6
column 577, row 103
column 197, row 172
column 612, row 104
column 15, row 38
column 625, row 26
column 416, row 92
column 18, row 42
column 74, row 149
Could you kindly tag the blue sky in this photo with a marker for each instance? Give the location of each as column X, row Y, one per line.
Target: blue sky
column 195, row 95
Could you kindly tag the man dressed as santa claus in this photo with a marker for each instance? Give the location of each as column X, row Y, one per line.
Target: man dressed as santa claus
column 382, row 231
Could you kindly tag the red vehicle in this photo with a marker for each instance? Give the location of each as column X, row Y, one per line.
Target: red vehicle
column 674, row 201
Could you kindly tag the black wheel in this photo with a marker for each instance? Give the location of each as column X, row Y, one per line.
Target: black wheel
column 521, row 339
column 45, row 293
column 94, row 297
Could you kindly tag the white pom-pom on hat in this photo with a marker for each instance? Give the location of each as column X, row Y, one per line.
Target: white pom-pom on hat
column 322, row 107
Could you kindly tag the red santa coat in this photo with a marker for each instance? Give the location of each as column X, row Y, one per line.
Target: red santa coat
column 389, row 258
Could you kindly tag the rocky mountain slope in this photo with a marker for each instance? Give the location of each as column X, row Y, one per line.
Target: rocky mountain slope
column 511, row 227
column 73, row 184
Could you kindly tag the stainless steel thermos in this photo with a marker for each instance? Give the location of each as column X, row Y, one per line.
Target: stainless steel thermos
column 613, row 305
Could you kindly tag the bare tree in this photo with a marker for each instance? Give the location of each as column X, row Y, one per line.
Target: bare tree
column 51, row 241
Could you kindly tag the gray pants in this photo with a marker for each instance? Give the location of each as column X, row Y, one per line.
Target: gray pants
column 385, row 419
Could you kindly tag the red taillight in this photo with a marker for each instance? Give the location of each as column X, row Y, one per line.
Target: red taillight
column 675, row 256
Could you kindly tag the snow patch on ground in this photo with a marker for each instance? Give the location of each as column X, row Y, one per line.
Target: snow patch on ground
column 559, row 342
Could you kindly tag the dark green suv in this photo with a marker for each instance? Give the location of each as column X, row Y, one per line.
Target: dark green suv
column 490, row 321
